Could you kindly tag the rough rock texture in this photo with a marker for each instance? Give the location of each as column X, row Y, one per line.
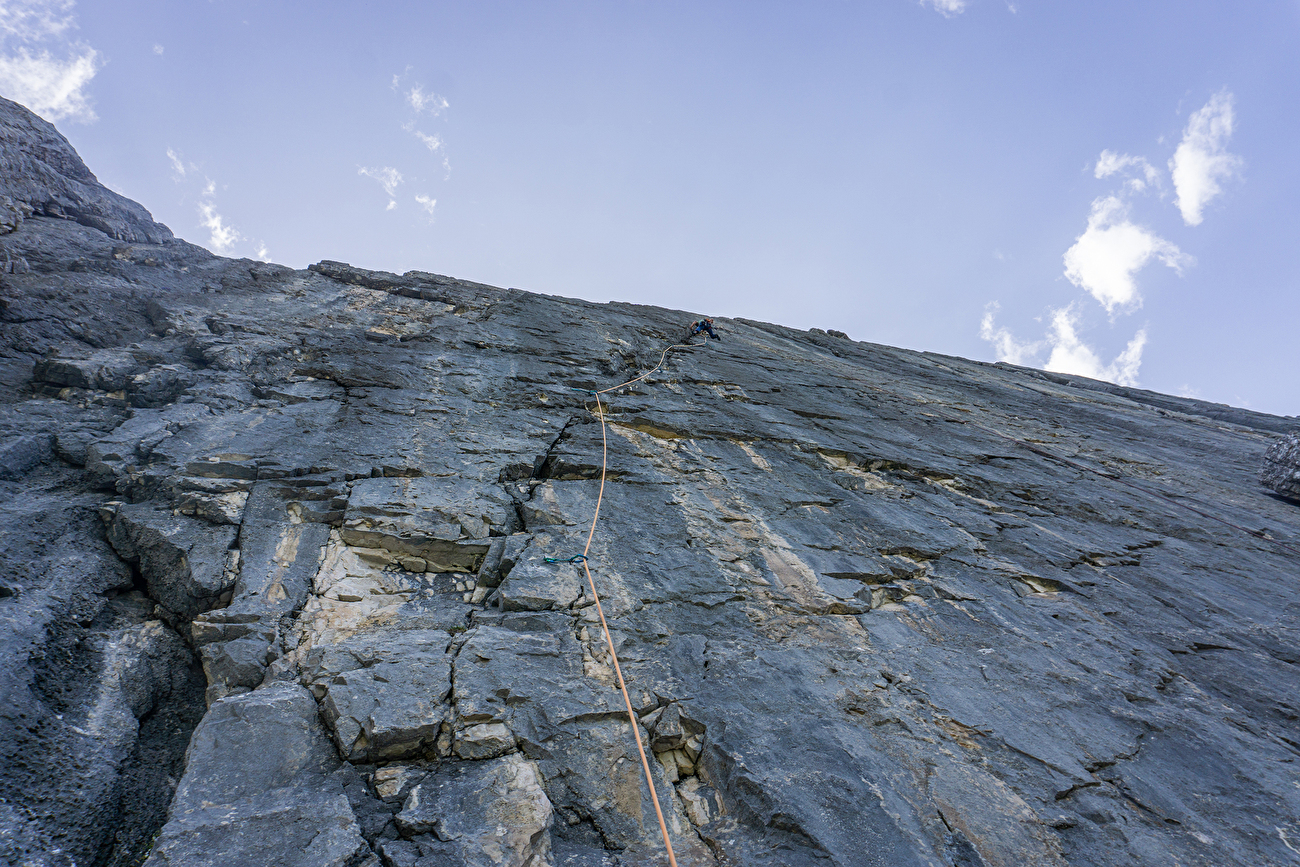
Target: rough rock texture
column 40, row 173
column 875, row 607
column 1281, row 470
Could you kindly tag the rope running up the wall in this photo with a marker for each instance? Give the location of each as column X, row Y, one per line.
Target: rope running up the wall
column 591, row 582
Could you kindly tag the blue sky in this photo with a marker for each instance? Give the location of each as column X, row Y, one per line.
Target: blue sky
column 1106, row 188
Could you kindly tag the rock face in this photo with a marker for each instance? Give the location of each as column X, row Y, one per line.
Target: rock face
column 1281, row 470
column 275, row 587
column 41, row 174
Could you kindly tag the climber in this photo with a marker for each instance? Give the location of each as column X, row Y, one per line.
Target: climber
column 705, row 325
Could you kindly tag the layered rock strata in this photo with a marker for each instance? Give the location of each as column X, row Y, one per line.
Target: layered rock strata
column 276, row 589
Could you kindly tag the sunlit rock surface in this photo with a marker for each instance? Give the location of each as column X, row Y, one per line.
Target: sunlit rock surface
column 875, row 607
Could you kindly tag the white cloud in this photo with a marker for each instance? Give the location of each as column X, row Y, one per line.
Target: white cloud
column 157, row 48
column 1105, row 258
column 177, row 166
column 388, row 178
column 1110, row 163
column 50, row 83
column 1005, row 346
column 947, row 8
column 1201, row 160
column 1069, row 353
column 427, row 203
column 432, row 142
column 31, row 20
column 53, row 88
column 262, row 253
column 435, row 104
column 223, row 237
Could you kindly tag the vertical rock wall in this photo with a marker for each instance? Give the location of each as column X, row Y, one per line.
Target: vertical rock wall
column 875, row 607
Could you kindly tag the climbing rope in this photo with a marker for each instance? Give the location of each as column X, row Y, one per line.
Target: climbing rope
column 591, row 582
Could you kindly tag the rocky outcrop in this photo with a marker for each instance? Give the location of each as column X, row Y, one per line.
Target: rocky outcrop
column 40, row 173
column 874, row 606
column 1281, row 470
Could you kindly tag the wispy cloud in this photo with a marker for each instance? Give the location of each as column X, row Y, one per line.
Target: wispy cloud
column 388, row 178
column 1005, row 345
column 223, row 237
column 1068, row 351
column 1202, row 160
column 178, row 166
column 948, row 8
column 433, row 143
column 1110, row 163
column 36, row 19
column 421, row 101
column 1071, row 355
column 51, row 83
column 1105, row 258
column 157, row 48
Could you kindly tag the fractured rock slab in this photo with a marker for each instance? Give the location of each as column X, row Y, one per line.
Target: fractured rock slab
column 183, row 561
column 445, row 522
column 494, row 813
column 257, row 789
column 384, row 694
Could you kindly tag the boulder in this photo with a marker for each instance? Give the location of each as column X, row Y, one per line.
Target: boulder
column 1281, row 470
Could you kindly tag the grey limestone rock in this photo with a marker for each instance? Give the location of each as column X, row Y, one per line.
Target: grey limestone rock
column 258, row 789
column 20, row 455
column 181, row 560
column 1281, row 470
column 494, row 813
column 484, row 741
column 43, row 174
column 873, row 606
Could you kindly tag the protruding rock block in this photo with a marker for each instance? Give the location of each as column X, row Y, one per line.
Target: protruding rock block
column 258, row 789
column 182, row 561
column 484, row 741
column 384, row 695
column 495, row 813
column 1281, row 470
column 445, row 522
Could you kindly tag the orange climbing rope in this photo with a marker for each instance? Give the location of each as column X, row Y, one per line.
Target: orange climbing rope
column 591, row 582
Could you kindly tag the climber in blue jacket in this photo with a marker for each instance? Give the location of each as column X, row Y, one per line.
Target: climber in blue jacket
column 705, row 325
